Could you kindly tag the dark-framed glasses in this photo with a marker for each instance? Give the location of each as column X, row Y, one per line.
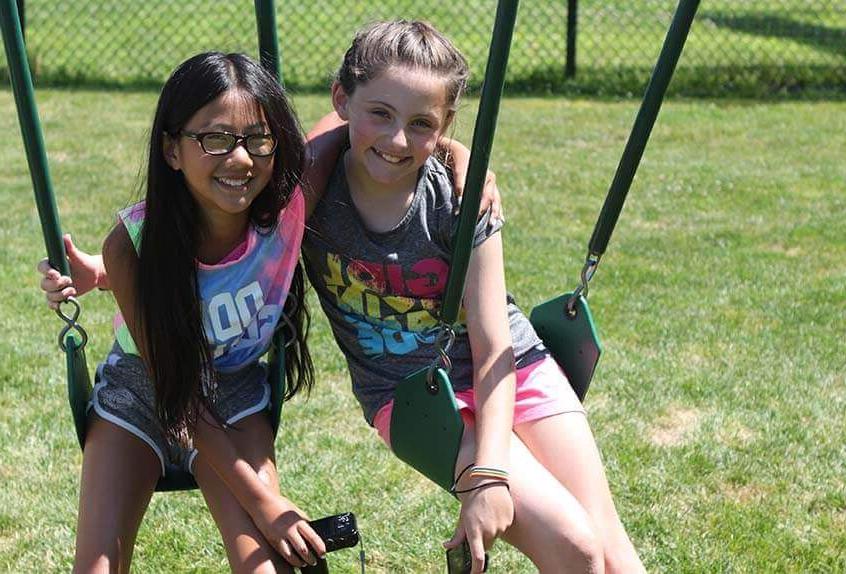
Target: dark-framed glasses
column 222, row 143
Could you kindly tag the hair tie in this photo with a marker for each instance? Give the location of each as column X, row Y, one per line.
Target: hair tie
column 485, row 485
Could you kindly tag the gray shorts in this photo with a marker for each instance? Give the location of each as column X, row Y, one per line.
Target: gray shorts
column 124, row 395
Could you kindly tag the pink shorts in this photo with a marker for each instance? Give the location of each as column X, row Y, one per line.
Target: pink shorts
column 542, row 390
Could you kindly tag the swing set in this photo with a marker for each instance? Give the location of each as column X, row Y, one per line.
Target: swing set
column 426, row 427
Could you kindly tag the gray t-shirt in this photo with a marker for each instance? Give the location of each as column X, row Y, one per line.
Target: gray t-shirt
column 382, row 291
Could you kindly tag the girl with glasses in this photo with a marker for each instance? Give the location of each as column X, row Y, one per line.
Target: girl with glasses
column 201, row 270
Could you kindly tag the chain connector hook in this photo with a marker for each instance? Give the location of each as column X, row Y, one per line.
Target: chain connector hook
column 588, row 270
column 71, row 322
column 443, row 343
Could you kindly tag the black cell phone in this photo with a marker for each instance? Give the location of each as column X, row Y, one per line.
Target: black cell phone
column 459, row 560
column 338, row 531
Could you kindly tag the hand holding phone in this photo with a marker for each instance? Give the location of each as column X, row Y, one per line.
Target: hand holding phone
column 459, row 560
column 338, row 531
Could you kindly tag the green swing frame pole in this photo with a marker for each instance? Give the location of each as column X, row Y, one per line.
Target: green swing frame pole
column 483, row 134
column 268, row 38
column 36, row 153
column 645, row 120
column 79, row 383
column 426, row 428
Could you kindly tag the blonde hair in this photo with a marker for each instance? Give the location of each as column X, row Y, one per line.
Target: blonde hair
column 411, row 44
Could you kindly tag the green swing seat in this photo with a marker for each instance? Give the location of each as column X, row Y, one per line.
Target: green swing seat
column 571, row 338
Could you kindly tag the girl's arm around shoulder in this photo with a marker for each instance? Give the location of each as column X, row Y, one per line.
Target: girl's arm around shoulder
column 324, row 143
column 457, row 157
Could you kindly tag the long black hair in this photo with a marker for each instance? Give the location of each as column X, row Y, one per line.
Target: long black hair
column 171, row 317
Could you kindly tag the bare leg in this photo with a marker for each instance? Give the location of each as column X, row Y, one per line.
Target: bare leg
column 565, row 446
column 550, row 526
column 119, row 474
column 246, row 548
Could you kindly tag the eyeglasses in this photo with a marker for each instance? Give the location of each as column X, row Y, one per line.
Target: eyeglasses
column 222, row 143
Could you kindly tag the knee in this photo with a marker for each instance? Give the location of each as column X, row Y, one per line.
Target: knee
column 579, row 550
column 97, row 563
column 589, row 554
column 277, row 566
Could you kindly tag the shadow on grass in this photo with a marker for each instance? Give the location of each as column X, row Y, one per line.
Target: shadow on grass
column 758, row 81
column 832, row 40
column 767, row 81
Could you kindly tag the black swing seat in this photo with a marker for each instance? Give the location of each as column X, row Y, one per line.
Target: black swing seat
column 175, row 478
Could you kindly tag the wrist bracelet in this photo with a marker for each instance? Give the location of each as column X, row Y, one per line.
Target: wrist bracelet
column 485, row 485
column 489, row 472
column 460, row 474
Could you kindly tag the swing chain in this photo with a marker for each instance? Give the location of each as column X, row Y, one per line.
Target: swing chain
column 591, row 263
column 71, row 323
column 443, row 343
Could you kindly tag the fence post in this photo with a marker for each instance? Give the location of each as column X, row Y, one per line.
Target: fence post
column 570, row 68
column 268, row 37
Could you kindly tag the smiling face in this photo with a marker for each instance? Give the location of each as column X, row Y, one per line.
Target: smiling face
column 394, row 120
column 223, row 185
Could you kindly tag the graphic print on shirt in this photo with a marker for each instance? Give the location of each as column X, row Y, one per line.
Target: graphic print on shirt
column 240, row 319
column 242, row 297
column 393, row 307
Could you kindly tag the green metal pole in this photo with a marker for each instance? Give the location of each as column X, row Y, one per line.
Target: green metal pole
column 655, row 90
column 79, row 383
column 22, row 16
column 268, row 37
column 36, row 153
column 483, row 134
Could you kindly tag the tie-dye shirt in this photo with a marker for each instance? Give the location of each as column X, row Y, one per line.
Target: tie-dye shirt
column 382, row 291
column 242, row 297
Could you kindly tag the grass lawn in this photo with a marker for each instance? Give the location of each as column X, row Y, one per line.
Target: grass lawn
column 718, row 405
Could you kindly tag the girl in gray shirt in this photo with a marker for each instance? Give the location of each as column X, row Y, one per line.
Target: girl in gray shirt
column 378, row 250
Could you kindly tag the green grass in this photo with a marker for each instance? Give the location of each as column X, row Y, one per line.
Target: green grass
column 718, row 405
column 759, row 47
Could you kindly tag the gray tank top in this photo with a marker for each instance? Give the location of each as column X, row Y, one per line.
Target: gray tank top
column 382, row 291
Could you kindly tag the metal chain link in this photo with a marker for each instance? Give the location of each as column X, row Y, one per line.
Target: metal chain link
column 443, row 343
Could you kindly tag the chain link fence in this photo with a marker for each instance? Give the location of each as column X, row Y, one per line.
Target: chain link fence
column 749, row 47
